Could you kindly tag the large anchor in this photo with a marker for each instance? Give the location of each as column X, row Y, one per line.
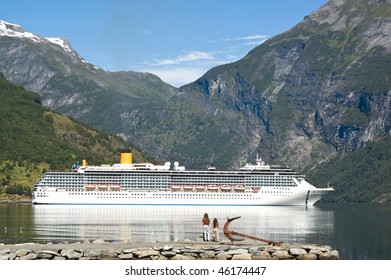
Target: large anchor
column 228, row 234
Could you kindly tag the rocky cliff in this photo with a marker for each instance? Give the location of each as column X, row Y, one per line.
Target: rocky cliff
column 319, row 88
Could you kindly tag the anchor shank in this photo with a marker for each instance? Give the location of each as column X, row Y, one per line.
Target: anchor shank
column 228, row 234
column 255, row 238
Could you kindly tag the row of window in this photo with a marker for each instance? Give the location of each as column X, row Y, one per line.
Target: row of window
column 176, row 195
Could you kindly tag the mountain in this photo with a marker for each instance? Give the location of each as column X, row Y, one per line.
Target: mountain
column 68, row 84
column 316, row 91
column 34, row 139
column 359, row 176
column 158, row 118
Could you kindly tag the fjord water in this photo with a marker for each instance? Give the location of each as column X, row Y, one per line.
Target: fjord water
column 357, row 231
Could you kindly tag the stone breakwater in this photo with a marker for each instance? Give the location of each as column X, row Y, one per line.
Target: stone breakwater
column 100, row 249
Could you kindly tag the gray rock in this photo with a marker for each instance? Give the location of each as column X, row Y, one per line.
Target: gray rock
column 208, row 254
column 193, row 251
column 242, row 257
column 237, row 251
column 93, row 253
column 253, row 250
column 22, row 252
column 130, row 250
column 26, row 244
column 4, row 257
column 297, row 251
column 146, row 253
column 308, row 256
column 98, row 241
column 316, row 252
column 182, row 257
column 191, row 255
column 222, row 248
column 44, row 256
column 168, row 254
column 208, row 247
column 71, row 254
column 333, row 255
column 167, row 248
column 5, row 251
column 30, row 256
column 126, row 256
column 176, row 250
column 262, row 255
column 222, row 256
column 314, row 247
column 269, row 249
column 282, row 255
column 51, row 252
column 108, row 253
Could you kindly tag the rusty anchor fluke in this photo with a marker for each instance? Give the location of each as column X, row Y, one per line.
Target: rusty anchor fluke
column 228, row 233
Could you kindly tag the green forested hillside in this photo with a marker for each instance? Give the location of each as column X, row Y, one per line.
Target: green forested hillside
column 359, row 176
column 33, row 139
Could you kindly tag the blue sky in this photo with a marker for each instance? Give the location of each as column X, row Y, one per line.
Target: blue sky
column 177, row 40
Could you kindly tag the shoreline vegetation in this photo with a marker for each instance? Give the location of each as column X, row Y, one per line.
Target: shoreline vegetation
column 14, row 198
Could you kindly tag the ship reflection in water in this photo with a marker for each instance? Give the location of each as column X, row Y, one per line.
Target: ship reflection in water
column 176, row 223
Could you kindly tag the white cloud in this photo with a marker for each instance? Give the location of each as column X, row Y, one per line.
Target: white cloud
column 188, row 67
column 178, row 76
column 192, row 56
column 255, row 43
column 246, row 38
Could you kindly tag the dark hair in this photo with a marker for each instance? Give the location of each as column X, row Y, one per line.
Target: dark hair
column 215, row 223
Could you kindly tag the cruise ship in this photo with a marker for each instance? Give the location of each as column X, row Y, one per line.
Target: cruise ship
column 128, row 183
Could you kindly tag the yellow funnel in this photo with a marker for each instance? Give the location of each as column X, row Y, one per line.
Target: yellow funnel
column 126, row 156
column 84, row 163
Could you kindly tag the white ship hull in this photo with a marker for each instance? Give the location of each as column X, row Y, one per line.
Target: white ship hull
column 297, row 196
column 148, row 184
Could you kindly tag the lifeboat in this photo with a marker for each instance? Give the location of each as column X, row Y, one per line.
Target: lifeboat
column 200, row 188
column 188, row 188
column 239, row 188
column 103, row 187
column 256, row 189
column 114, row 187
column 89, row 187
column 226, row 188
column 176, row 188
column 213, row 188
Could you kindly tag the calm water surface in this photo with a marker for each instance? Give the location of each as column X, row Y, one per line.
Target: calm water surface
column 357, row 231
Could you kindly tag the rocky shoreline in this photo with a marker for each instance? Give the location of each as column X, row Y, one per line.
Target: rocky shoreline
column 187, row 250
column 14, row 198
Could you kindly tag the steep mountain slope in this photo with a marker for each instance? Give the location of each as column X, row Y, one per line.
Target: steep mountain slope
column 321, row 87
column 359, row 176
column 34, row 139
column 70, row 85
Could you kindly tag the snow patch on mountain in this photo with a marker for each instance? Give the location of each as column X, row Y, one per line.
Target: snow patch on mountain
column 13, row 30
column 61, row 42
